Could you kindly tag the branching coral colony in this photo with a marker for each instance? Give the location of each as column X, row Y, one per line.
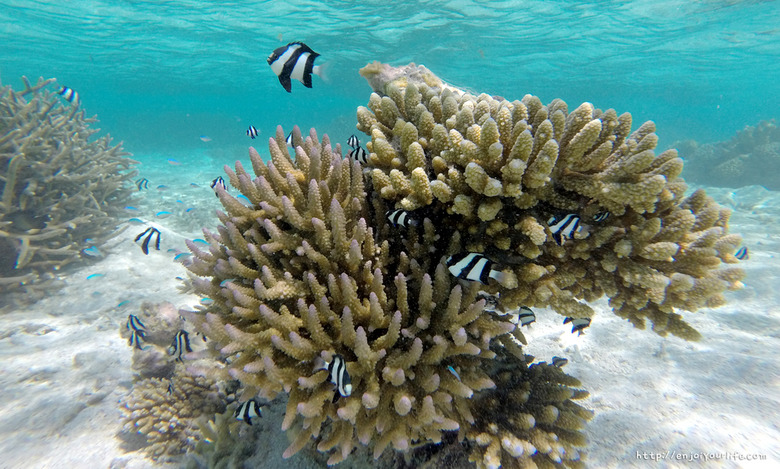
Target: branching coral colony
column 58, row 188
column 313, row 268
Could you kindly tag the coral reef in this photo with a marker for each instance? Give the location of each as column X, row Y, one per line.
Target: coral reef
column 492, row 173
column 312, row 269
column 60, row 191
column 169, row 420
column 751, row 157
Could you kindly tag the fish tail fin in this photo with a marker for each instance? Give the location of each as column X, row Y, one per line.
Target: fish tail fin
column 323, row 71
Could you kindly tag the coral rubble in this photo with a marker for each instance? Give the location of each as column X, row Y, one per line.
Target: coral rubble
column 60, row 190
column 751, row 157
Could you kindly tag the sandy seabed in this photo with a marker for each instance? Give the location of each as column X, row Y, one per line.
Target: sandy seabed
column 658, row 402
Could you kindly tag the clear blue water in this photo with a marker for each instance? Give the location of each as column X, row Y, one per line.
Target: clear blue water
column 160, row 74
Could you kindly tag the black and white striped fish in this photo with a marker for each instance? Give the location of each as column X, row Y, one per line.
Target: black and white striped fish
column 252, row 131
column 145, row 245
column 170, row 387
column 180, row 345
column 295, row 60
column 742, row 253
column 353, row 141
column 134, row 324
column 136, row 339
column 358, row 154
column 142, row 183
column 578, row 324
column 69, row 94
column 601, row 216
column 248, row 410
column 289, row 140
column 491, row 301
column 525, row 316
column 564, row 227
column 473, row 266
column 559, row 361
column 338, row 375
column 402, row 218
column 218, row 182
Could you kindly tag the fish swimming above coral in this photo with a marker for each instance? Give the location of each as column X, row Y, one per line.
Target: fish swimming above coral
column 142, row 183
column 526, row 316
column 559, row 361
column 247, row 411
column 578, row 324
column 218, row 182
column 69, row 94
column 353, row 141
column 473, row 266
column 358, row 154
column 564, row 227
column 149, row 232
column 742, row 253
column 295, row 60
column 252, row 132
column 402, row 218
column 180, row 345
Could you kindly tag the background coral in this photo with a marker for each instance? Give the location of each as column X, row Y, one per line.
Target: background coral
column 312, row 269
column 61, row 191
column 491, row 173
column 751, row 157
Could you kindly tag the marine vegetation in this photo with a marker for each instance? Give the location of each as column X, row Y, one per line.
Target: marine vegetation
column 751, row 157
column 61, row 191
column 320, row 265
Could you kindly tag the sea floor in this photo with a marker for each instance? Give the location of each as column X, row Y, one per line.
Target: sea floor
column 658, row 402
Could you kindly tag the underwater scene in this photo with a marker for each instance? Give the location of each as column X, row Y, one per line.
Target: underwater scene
column 432, row 234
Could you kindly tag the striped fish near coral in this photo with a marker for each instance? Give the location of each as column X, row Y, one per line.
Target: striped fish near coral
column 218, row 182
column 337, row 374
column 142, row 183
column 402, row 218
column 353, row 141
column 295, row 60
column 526, row 316
column 601, row 216
column 564, row 227
column 247, row 411
column 578, row 324
column 289, row 140
column 358, row 154
column 559, row 361
column 69, row 94
column 180, row 345
column 252, row 132
column 473, row 266
column 149, row 232
column 742, row 253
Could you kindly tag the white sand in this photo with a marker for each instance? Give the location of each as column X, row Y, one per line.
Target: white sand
column 65, row 367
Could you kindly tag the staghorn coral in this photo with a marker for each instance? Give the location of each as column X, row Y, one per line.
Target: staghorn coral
column 750, row 157
column 169, row 421
column 490, row 172
column 57, row 187
column 311, row 269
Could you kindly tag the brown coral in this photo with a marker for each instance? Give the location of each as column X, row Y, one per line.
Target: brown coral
column 499, row 170
column 58, row 187
column 313, row 269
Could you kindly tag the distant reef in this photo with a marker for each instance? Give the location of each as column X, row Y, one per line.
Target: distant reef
column 751, row 157
column 61, row 191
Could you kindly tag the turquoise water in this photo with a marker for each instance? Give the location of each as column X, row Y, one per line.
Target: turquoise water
column 160, row 74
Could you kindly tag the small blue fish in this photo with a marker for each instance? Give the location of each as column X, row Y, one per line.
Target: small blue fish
column 194, row 185
column 92, row 251
column 123, row 303
column 742, row 253
column 205, row 138
column 200, row 241
column 162, row 187
column 174, row 162
column 181, row 255
column 163, row 214
column 131, row 209
column 136, row 221
column 454, row 373
column 180, row 345
column 244, row 199
column 224, row 282
column 189, row 210
column 206, row 301
column 90, row 277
